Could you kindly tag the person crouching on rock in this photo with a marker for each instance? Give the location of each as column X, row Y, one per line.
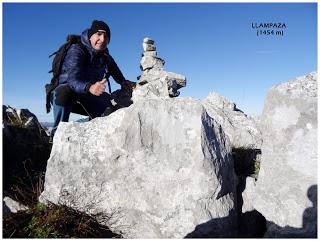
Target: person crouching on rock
column 82, row 80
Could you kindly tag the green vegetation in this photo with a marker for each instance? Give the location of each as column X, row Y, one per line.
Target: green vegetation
column 256, row 169
column 24, row 182
column 47, row 221
column 53, row 221
column 246, row 161
column 27, row 188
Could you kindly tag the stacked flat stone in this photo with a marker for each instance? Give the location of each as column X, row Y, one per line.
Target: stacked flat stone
column 149, row 58
column 160, row 82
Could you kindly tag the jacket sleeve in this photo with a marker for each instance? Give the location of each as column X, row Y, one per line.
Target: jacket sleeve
column 74, row 65
column 115, row 71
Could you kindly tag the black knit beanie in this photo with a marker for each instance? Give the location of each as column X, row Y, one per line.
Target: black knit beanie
column 99, row 26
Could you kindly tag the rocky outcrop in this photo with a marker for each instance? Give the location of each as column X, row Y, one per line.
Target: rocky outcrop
column 246, row 140
column 161, row 168
column 241, row 129
column 17, row 123
column 161, row 83
column 25, row 144
column 286, row 190
column 165, row 167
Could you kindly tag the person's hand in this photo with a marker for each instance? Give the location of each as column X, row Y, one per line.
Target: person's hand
column 98, row 88
column 128, row 85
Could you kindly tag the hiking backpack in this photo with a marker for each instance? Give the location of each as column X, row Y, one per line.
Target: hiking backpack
column 57, row 64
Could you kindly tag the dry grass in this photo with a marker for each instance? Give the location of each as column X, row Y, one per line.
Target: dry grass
column 47, row 221
column 53, row 221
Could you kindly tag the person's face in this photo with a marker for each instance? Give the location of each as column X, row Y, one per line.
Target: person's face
column 99, row 41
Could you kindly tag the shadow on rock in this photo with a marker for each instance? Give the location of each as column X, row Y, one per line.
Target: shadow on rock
column 251, row 225
column 245, row 161
column 216, row 228
column 309, row 222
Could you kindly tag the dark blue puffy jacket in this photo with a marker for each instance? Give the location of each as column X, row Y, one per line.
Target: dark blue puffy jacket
column 81, row 69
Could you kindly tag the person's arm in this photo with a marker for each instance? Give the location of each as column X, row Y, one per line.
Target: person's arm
column 74, row 65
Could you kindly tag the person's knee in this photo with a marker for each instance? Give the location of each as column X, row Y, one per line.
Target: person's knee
column 98, row 105
column 64, row 96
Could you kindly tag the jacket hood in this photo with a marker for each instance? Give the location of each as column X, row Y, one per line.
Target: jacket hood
column 86, row 42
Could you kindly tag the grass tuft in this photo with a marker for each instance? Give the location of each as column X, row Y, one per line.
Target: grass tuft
column 53, row 221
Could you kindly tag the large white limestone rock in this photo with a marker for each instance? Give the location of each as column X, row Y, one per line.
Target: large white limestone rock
column 241, row 129
column 161, row 168
column 286, row 190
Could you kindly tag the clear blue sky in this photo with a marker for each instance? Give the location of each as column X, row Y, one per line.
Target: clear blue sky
column 212, row 44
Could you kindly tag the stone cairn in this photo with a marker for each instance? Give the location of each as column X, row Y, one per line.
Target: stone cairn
column 149, row 57
column 153, row 70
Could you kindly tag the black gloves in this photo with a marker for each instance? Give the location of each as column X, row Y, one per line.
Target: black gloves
column 128, row 85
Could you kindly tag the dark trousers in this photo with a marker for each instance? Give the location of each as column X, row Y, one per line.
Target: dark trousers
column 65, row 101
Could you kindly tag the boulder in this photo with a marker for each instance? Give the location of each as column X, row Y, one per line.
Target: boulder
column 161, row 168
column 25, row 146
column 17, row 120
column 19, row 117
column 241, row 129
column 286, row 189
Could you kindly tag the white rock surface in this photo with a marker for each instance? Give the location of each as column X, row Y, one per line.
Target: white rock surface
column 155, row 89
column 149, row 62
column 286, row 188
column 150, row 53
column 155, row 74
column 241, row 129
column 12, row 206
column 248, row 195
column 162, row 167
